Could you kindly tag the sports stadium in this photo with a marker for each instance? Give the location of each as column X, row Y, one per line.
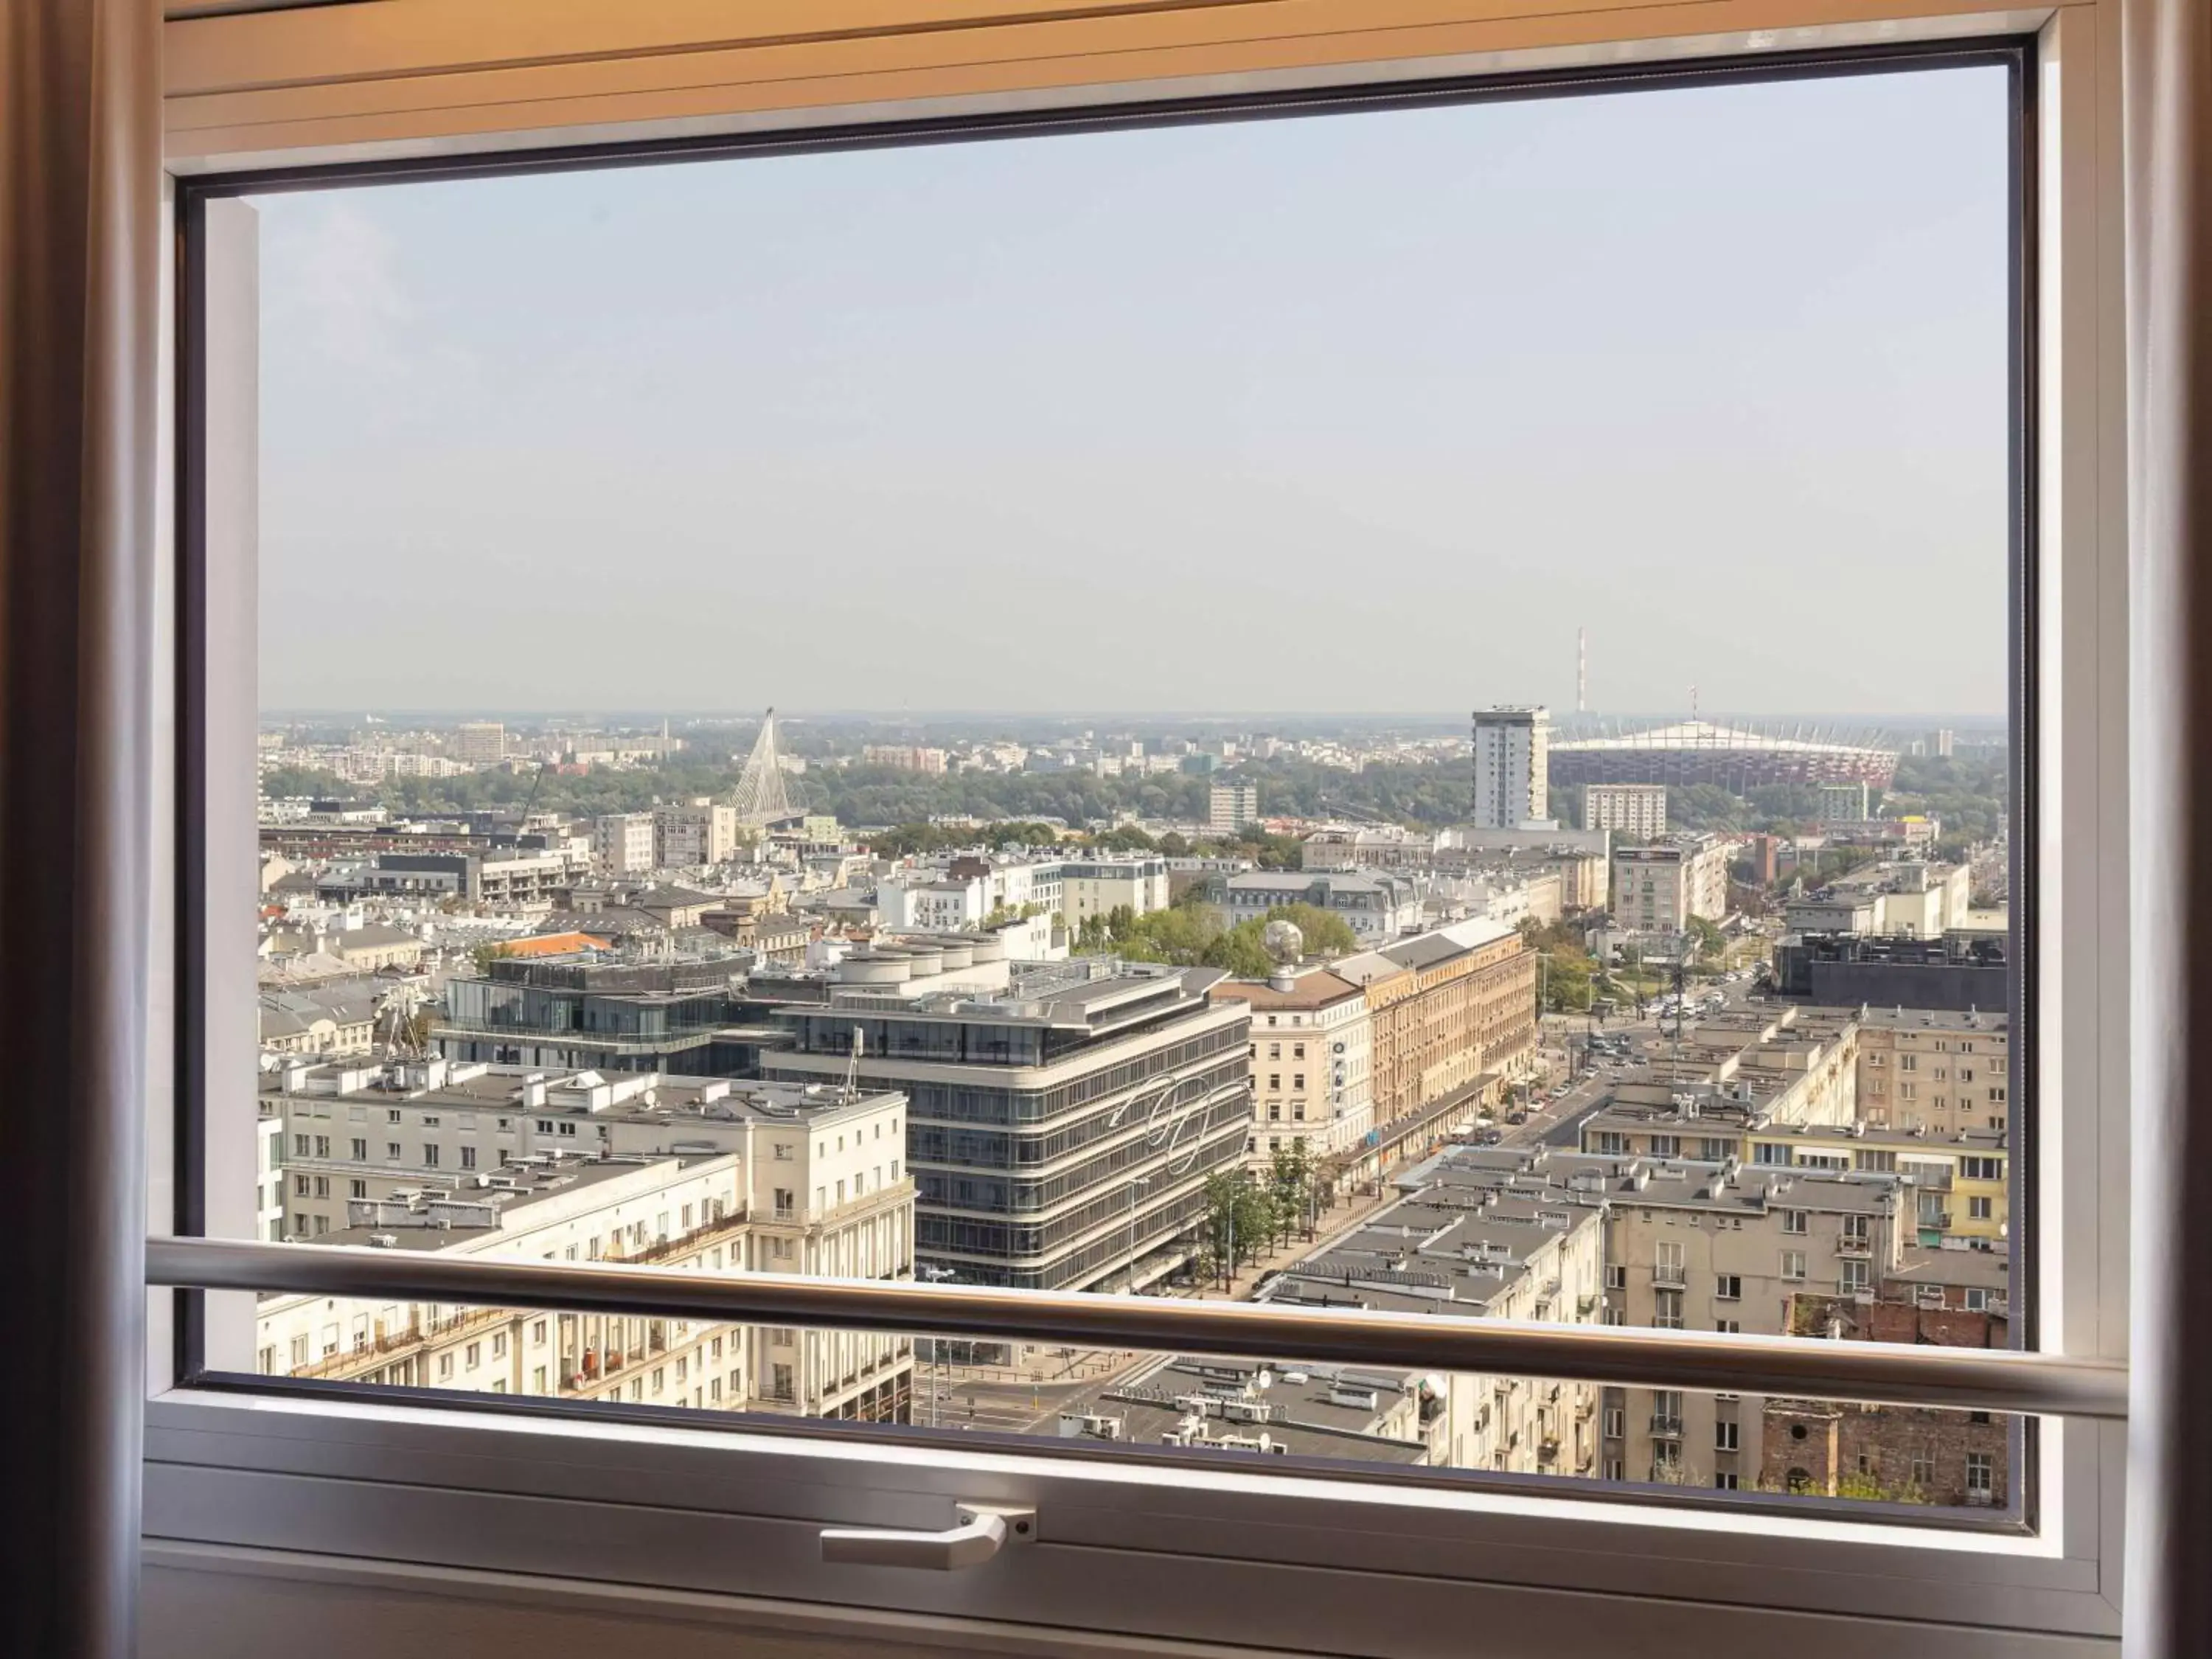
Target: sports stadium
column 1735, row 757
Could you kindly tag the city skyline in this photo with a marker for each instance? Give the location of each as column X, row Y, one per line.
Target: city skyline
column 1158, row 420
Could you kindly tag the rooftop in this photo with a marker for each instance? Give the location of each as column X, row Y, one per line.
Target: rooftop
column 1317, row 989
column 625, row 1096
column 1233, row 1405
column 1658, row 1183
column 437, row 1217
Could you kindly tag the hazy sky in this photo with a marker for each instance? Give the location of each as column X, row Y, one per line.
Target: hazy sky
column 1366, row 412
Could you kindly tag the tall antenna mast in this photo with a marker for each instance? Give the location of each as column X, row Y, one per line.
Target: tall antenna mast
column 1581, row 671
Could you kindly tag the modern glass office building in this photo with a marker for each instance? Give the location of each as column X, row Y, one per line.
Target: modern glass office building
column 1060, row 1131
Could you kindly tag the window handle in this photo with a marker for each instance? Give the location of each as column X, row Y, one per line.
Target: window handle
column 983, row 1528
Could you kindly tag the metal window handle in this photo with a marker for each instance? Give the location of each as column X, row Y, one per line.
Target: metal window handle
column 983, row 1529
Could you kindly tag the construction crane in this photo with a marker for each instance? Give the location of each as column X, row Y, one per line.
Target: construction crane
column 530, row 800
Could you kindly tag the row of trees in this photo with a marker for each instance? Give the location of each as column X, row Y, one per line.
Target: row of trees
column 1191, row 935
column 1968, row 792
column 1250, row 1212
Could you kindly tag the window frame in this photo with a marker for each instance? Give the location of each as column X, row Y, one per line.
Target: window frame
column 256, row 1469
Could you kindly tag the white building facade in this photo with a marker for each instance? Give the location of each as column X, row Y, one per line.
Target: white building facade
column 1512, row 764
column 1231, row 806
column 1311, row 1062
column 622, row 843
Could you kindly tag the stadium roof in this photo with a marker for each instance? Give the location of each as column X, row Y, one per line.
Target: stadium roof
column 1704, row 734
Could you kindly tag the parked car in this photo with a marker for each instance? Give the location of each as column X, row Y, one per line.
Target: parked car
column 1517, row 1117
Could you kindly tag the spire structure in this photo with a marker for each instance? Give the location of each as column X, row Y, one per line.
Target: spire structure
column 760, row 797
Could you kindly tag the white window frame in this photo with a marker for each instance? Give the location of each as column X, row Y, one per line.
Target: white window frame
column 516, row 1491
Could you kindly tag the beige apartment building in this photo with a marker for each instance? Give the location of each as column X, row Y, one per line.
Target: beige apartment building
column 1453, row 1018
column 1717, row 1246
column 1585, row 879
column 1311, row 1063
column 1937, row 1071
column 481, row 742
column 700, row 832
column 436, row 1154
column 1811, row 1091
column 622, row 843
column 1091, row 887
column 1657, row 888
column 1631, row 809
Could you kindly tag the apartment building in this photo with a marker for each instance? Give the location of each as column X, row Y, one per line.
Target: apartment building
column 480, row 743
column 1633, row 809
column 622, row 843
column 1091, row 887
column 1846, row 801
column 1934, row 1071
column 1381, row 847
column 558, row 1210
column 1795, row 1095
column 926, row 902
column 579, row 1012
column 1913, row 833
column 904, row 757
column 1957, row 1183
column 1481, row 1234
column 521, row 877
column 1311, row 1065
column 699, row 832
column 804, row 1181
column 1657, row 888
column 331, row 1018
column 1378, row 906
column 1061, row 1130
column 1911, row 897
column 1452, row 1017
column 1509, row 893
column 1695, row 1245
column 1583, row 858
column 955, row 893
column 1788, row 1064
column 1231, row 806
column 1512, row 766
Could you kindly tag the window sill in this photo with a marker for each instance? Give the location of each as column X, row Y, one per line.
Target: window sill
column 695, row 1509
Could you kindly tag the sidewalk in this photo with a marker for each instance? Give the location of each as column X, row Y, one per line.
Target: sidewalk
column 1334, row 1224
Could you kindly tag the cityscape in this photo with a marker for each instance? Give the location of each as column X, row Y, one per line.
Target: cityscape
column 1387, row 710
column 1694, row 1021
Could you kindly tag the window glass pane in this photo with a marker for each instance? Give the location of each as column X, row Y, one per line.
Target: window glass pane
column 1120, row 895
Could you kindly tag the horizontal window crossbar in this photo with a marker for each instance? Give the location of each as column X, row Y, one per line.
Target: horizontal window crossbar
column 1972, row 1379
